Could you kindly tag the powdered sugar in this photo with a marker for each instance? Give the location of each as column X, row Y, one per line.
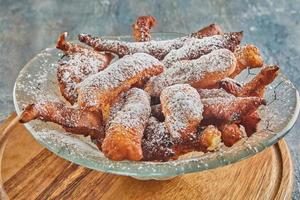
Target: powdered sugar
column 220, row 62
column 134, row 112
column 158, row 49
column 195, row 48
column 76, row 68
column 157, row 142
column 120, row 74
column 182, row 108
column 214, row 94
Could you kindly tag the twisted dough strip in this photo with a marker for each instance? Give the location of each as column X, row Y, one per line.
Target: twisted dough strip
column 158, row 49
column 255, row 87
column 124, row 134
column 220, row 107
column 204, row 72
column 77, row 64
column 141, row 28
column 72, row 119
column 195, row 48
column 182, row 108
column 158, row 145
column 99, row 90
column 229, row 110
column 249, row 120
column 247, row 56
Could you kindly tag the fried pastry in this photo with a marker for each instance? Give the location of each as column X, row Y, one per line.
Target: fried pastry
column 219, row 110
column 220, row 107
column 250, row 122
column 204, row 72
column 72, row 119
column 141, row 28
column 195, row 48
column 124, row 134
column 208, row 140
column 210, row 30
column 247, row 56
column 255, row 87
column 99, row 90
column 157, row 143
column 78, row 63
column 231, row 133
column 188, row 100
column 158, row 49
column 204, row 140
column 182, row 108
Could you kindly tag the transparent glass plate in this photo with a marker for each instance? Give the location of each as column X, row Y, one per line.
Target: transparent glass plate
column 37, row 81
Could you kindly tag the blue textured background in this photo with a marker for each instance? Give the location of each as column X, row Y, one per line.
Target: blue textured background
column 27, row 27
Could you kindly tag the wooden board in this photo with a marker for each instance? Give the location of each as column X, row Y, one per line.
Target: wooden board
column 32, row 172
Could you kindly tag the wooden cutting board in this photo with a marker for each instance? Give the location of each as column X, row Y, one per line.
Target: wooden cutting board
column 32, row 172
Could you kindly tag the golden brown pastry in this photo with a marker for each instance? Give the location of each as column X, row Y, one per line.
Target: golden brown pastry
column 99, row 90
column 125, row 131
column 255, row 87
column 209, row 139
column 210, row 30
column 204, row 72
column 195, row 48
column 72, row 119
column 78, row 63
column 220, row 107
column 250, row 122
column 229, row 110
column 157, row 143
column 158, row 49
column 231, row 133
column 247, row 56
column 141, row 28
column 182, row 108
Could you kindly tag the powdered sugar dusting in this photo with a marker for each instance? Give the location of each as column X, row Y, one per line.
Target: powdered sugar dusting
column 182, row 108
column 157, row 142
column 134, row 112
column 120, row 74
column 195, row 48
column 192, row 71
column 120, row 71
column 76, row 67
column 37, row 81
column 213, row 93
column 158, row 49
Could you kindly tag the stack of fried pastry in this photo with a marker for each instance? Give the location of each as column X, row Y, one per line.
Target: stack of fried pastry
column 157, row 100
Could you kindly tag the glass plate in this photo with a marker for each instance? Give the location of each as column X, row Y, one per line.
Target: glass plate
column 37, row 81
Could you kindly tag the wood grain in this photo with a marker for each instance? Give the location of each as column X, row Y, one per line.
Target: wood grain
column 43, row 175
